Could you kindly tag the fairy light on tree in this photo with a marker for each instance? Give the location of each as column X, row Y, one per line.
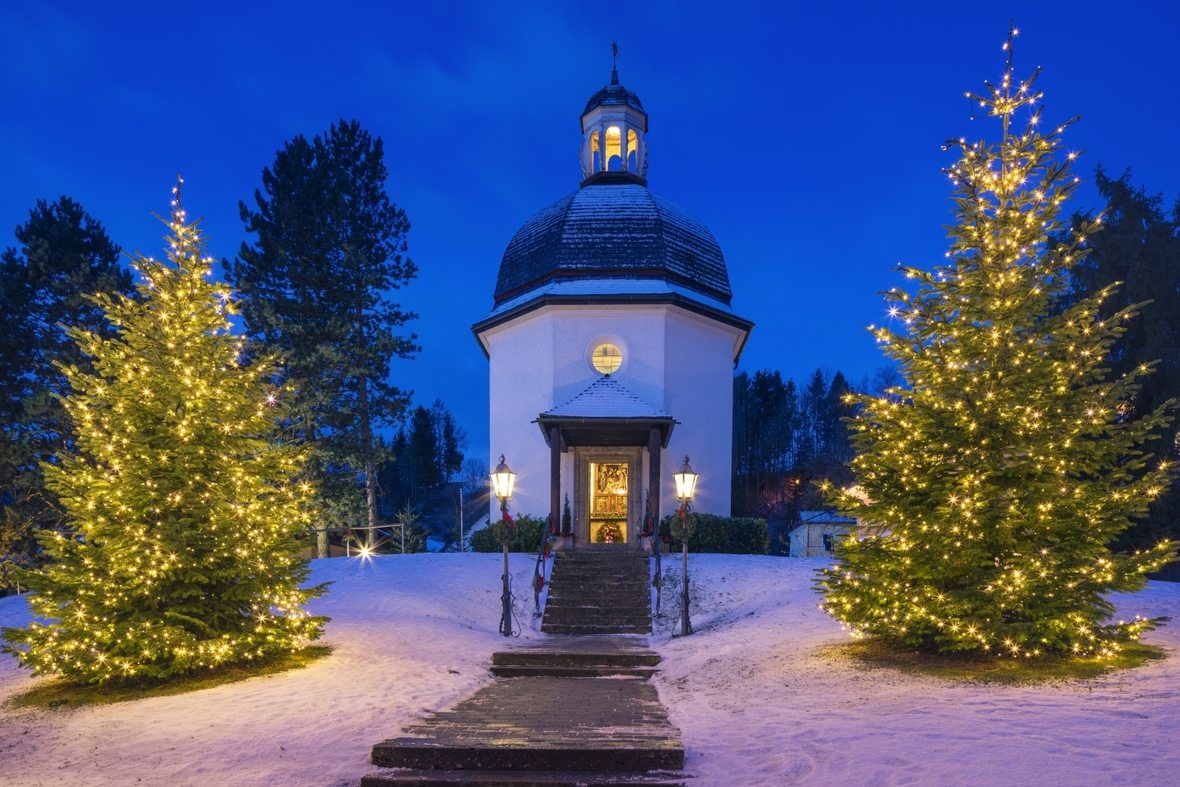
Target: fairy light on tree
column 183, row 507
column 989, row 488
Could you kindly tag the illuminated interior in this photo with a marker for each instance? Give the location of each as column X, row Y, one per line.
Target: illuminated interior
column 607, row 358
column 608, row 503
column 614, row 149
column 632, row 150
column 595, row 152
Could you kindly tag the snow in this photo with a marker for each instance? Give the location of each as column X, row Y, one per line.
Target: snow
column 758, row 698
column 761, row 703
column 411, row 633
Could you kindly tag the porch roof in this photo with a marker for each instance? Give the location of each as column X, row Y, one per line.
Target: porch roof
column 606, row 413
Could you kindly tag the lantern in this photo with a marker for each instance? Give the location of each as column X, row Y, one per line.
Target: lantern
column 503, row 480
column 686, row 482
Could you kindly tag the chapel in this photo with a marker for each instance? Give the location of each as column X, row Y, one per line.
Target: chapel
column 611, row 344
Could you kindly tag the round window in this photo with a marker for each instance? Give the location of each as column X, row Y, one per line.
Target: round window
column 607, row 358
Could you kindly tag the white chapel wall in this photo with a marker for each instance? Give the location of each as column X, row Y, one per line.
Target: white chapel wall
column 521, row 387
column 699, row 394
column 673, row 359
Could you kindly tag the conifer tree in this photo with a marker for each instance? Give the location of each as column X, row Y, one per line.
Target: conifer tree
column 990, row 490
column 64, row 255
column 318, row 284
column 181, row 549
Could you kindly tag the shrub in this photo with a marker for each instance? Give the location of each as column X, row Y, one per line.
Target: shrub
column 729, row 535
column 528, row 538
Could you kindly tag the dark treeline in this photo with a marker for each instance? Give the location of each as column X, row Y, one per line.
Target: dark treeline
column 318, row 283
column 783, row 437
column 428, row 480
column 1139, row 246
column 63, row 256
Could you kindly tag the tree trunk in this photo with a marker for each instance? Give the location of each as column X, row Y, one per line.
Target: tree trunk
column 321, row 542
column 370, row 474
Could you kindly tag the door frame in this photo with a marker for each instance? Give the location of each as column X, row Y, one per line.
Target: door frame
column 583, row 457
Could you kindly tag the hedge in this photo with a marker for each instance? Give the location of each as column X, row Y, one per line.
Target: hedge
column 528, row 537
column 729, row 535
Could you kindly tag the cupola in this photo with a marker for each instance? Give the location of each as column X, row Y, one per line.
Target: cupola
column 613, row 129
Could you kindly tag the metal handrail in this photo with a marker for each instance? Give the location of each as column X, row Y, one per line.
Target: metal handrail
column 657, row 576
column 542, row 571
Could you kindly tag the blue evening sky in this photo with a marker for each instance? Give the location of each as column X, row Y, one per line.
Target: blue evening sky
column 805, row 136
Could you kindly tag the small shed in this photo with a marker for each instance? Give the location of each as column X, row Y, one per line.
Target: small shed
column 818, row 529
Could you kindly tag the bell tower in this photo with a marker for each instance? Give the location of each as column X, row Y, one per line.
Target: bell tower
column 613, row 129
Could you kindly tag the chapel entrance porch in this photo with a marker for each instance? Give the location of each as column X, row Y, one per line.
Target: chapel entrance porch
column 614, row 438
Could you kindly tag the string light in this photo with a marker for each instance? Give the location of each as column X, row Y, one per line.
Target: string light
column 987, row 495
column 184, row 507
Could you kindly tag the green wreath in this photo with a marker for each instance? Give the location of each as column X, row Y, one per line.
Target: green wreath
column 609, row 531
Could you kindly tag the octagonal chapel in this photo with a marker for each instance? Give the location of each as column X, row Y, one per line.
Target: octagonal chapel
column 612, row 344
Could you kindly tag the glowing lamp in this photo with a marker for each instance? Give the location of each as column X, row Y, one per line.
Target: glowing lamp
column 502, row 481
column 686, row 482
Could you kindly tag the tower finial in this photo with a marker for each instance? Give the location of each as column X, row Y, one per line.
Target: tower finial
column 614, row 66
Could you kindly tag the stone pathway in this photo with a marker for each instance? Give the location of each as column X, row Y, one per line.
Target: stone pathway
column 572, row 710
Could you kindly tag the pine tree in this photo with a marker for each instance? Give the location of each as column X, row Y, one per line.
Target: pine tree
column 65, row 255
column 181, row 551
column 988, row 495
column 318, row 285
column 1140, row 245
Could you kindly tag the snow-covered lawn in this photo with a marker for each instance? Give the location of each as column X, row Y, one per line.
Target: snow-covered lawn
column 758, row 705
column 757, row 701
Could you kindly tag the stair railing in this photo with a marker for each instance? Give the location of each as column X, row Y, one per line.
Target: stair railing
column 657, row 579
column 542, row 572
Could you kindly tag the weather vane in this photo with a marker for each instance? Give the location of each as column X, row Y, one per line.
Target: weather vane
column 614, row 51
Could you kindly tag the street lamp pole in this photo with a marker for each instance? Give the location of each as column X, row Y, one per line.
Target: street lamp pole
column 686, row 483
column 503, row 479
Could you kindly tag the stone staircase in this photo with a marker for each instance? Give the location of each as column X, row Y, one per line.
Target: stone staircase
column 582, row 657
column 555, row 722
column 599, row 590
column 570, row 711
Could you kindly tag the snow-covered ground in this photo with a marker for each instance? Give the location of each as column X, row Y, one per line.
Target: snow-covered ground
column 755, row 696
column 760, row 705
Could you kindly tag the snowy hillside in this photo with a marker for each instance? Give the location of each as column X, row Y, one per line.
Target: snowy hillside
column 755, row 700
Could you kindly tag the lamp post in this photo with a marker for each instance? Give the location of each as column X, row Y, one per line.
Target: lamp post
column 503, row 480
column 686, row 484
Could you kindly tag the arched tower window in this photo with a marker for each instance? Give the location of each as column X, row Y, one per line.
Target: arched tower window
column 595, row 153
column 613, row 129
column 614, row 149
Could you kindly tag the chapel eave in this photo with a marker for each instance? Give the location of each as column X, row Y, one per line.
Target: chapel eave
column 543, row 300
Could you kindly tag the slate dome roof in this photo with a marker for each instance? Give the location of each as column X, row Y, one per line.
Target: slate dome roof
column 613, row 230
column 613, row 94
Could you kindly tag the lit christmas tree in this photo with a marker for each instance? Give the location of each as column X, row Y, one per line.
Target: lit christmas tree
column 183, row 509
column 990, row 487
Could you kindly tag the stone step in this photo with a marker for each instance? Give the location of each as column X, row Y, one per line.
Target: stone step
column 418, row 778
column 631, row 604
column 596, row 615
column 564, row 587
column 593, row 606
column 597, row 756
column 630, row 598
column 601, row 657
column 603, row 568
column 584, row 629
column 573, row 672
column 591, row 575
column 604, row 564
column 589, row 581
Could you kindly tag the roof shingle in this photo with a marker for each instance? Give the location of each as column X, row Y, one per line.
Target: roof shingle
column 613, row 230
